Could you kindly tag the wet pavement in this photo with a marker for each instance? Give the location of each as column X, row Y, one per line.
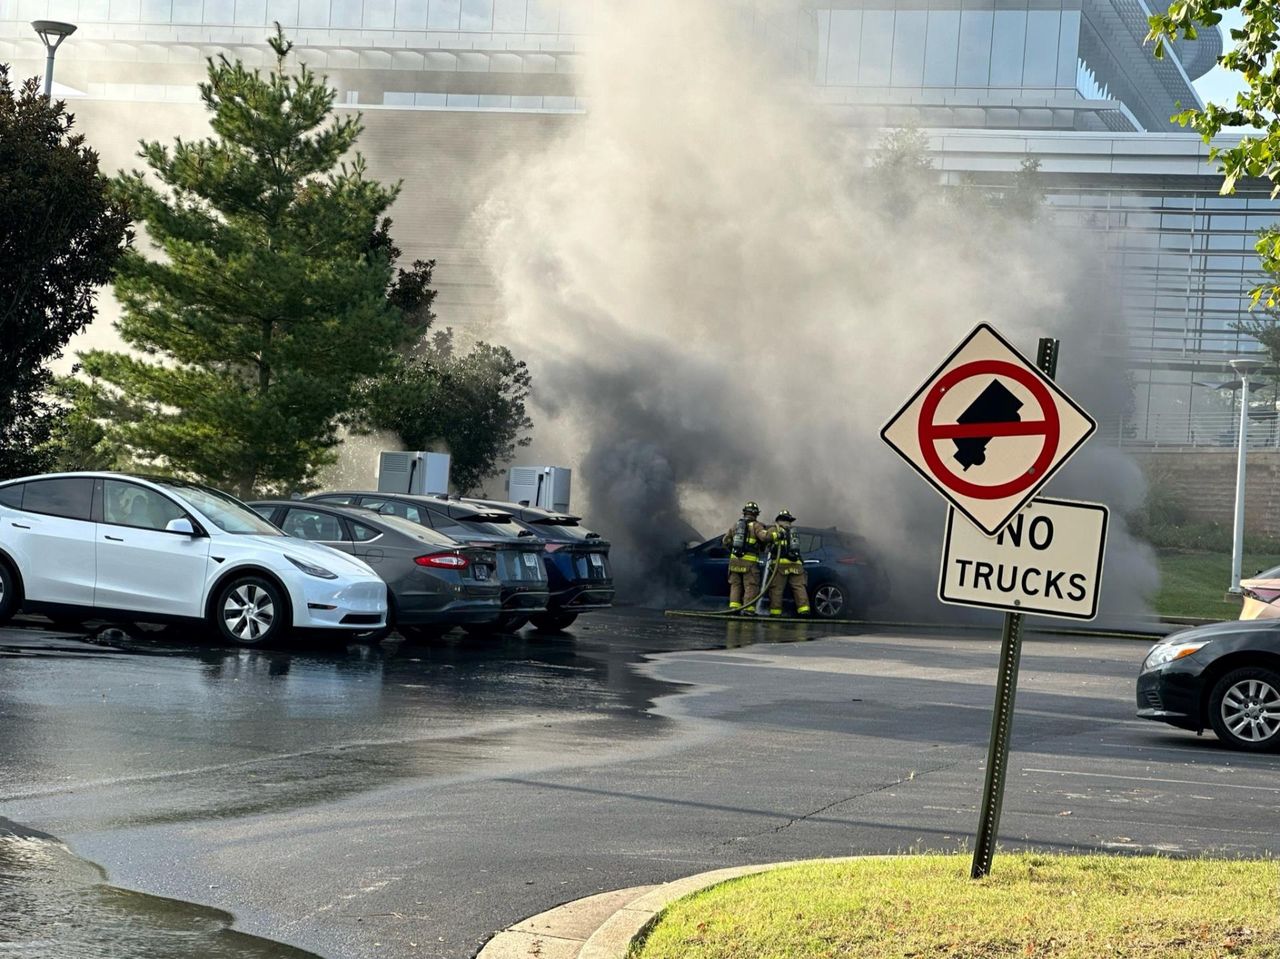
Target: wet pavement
column 409, row 800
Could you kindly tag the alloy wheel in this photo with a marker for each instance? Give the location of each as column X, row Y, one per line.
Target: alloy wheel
column 828, row 601
column 248, row 613
column 1251, row 710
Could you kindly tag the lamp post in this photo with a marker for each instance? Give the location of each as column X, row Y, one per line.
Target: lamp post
column 1243, row 367
column 52, row 32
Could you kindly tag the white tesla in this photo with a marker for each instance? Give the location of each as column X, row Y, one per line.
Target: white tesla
column 78, row 546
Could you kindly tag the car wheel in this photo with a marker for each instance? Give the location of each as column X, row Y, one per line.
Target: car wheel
column 1244, row 709
column 8, row 593
column 829, row 601
column 250, row 611
column 553, row 622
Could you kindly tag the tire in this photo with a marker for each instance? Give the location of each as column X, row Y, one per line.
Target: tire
column 1244, row 709
column 829, row 600
column 9, row 598
column 267, row 623
column 553, row 622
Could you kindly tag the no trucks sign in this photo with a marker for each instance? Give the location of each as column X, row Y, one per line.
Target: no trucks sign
column 1047, row 560
column 987, row 429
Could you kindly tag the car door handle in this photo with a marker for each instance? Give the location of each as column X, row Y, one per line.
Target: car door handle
column 19, row 526
column 115, row 539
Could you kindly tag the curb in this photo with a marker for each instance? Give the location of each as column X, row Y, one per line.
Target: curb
column 605, row 925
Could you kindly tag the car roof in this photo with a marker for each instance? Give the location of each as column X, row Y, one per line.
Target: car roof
column 362, row 514
column 524, row 512
column 418, row 499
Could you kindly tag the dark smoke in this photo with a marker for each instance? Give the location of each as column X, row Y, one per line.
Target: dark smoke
column 721, row 304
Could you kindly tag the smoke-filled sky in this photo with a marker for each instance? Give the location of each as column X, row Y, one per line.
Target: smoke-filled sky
column 719, row 302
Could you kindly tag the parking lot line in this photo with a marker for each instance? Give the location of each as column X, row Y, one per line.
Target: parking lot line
column 1153, row 779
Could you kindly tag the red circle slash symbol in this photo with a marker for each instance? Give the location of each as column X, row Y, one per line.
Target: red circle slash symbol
column 931, row 433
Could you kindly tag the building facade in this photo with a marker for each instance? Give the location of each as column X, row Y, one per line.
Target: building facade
column 447, row 86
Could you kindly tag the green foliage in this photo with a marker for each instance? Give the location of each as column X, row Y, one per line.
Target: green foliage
column 274, row 296
column 60, row 236
column 1165, row 522
column 1257, row 107
column 471, row 405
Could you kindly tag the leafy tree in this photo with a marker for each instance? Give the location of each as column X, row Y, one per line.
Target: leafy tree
column 1256, row 108
column 60, row 236
column 275, row 295
column 470, row 404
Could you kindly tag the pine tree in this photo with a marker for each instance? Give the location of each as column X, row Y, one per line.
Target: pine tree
column 275, row 293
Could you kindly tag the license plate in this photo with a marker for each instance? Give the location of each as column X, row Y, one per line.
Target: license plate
column 482, row 572
column 531, row 560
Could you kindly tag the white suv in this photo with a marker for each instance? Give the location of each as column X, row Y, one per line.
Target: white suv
column 77, row 546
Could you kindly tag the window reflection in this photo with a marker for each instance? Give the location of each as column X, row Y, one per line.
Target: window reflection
column 411, row 14
column 1039, row 62
column 940, row 48
column 443, row 15
column 508, row 15
column 877, row 47
column 313, row 13
column 842, row 57
column 1008, row 37
column 973, row 68
column 909, row 31
column 379, row 14
column 477, row 14
column 346, row 13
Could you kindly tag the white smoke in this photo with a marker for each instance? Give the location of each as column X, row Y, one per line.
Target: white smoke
column 718, row 303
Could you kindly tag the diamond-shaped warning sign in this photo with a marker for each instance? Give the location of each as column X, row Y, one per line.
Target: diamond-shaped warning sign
column 988, row 429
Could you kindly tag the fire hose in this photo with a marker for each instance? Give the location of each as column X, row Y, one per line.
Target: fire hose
column 770, row 570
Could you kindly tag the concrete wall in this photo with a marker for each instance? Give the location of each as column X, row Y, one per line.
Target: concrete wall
column 1204, row 482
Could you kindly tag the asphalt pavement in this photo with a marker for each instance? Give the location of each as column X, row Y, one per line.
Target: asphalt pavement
column 409, row 800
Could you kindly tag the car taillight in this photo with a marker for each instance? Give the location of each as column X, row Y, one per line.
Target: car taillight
column 443, row 561
column 851, row 561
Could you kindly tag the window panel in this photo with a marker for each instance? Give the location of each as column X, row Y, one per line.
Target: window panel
column 313, row 13
column 477, row 15
column 909, row 30
column 125, row 11
column 509, row 15
column 842, row 58
column 127, row 504
column 379, row 14
column 69, row 497
column 876, row 49
column 1039, row 61
column 411, row 14
column 97, row 10
column 219, row 11
column 973, row 68
column 940, row 48
column 251, row 13
column 313, row 525
column 348, row 14
column 283, row 11
column 443, row 15
column 157, row 11
column 824, row 34
column 1008, row 39
column 543, row 16
column 1068, row 47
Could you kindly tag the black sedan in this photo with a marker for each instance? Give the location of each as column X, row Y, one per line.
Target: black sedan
column 518, row 552
column 433, row 581
column 1225, row 676
column 577, row 563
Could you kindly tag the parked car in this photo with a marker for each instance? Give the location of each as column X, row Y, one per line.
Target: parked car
column 576, row 560
column 1225, row 676
column 517, row 551
column 844, row 578
column 1260, row 593
column 433, row 581
column 78, row 546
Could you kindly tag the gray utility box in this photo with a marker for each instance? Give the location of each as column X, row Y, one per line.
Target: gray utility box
column 418, row 472
column 543, row 486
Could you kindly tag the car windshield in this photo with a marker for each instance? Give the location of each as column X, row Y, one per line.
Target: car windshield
column 223, row 511
column 1273, row 573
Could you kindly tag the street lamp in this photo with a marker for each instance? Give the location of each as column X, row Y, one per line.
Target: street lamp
column 52, row 32
column 1243, row 367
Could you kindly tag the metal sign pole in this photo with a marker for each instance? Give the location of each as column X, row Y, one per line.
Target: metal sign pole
column 1006, row 692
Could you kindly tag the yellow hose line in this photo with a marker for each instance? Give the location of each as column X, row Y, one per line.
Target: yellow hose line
column 889, row 624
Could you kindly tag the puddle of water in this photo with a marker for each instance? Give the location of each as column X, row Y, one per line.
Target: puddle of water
column 54, row 905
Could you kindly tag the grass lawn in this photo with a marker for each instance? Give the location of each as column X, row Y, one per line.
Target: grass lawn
column 1065, row 907
column 1194, row 583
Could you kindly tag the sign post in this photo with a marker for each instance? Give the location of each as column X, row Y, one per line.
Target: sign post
column 984, row 846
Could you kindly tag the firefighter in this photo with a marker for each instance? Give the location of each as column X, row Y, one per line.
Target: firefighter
column 745, row 539
column 789, row 569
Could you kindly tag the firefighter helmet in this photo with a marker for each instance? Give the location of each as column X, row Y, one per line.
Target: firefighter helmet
column 784, row 515
column 751, row 507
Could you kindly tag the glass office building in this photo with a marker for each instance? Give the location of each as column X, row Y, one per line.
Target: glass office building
column 445, row 85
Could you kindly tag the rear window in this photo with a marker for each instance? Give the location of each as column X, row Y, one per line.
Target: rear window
column 70, row 497
column 563, row 529
column 11, row 495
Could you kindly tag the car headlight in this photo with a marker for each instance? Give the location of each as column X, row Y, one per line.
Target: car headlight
column 310, row 570
column 1166, row 653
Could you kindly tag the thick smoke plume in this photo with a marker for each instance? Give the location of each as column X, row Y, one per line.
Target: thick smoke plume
column 720, row 301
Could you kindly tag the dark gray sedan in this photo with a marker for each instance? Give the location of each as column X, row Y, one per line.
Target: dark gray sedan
column 433, row 581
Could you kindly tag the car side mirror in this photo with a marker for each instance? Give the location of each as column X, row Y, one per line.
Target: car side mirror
column 180, row 525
